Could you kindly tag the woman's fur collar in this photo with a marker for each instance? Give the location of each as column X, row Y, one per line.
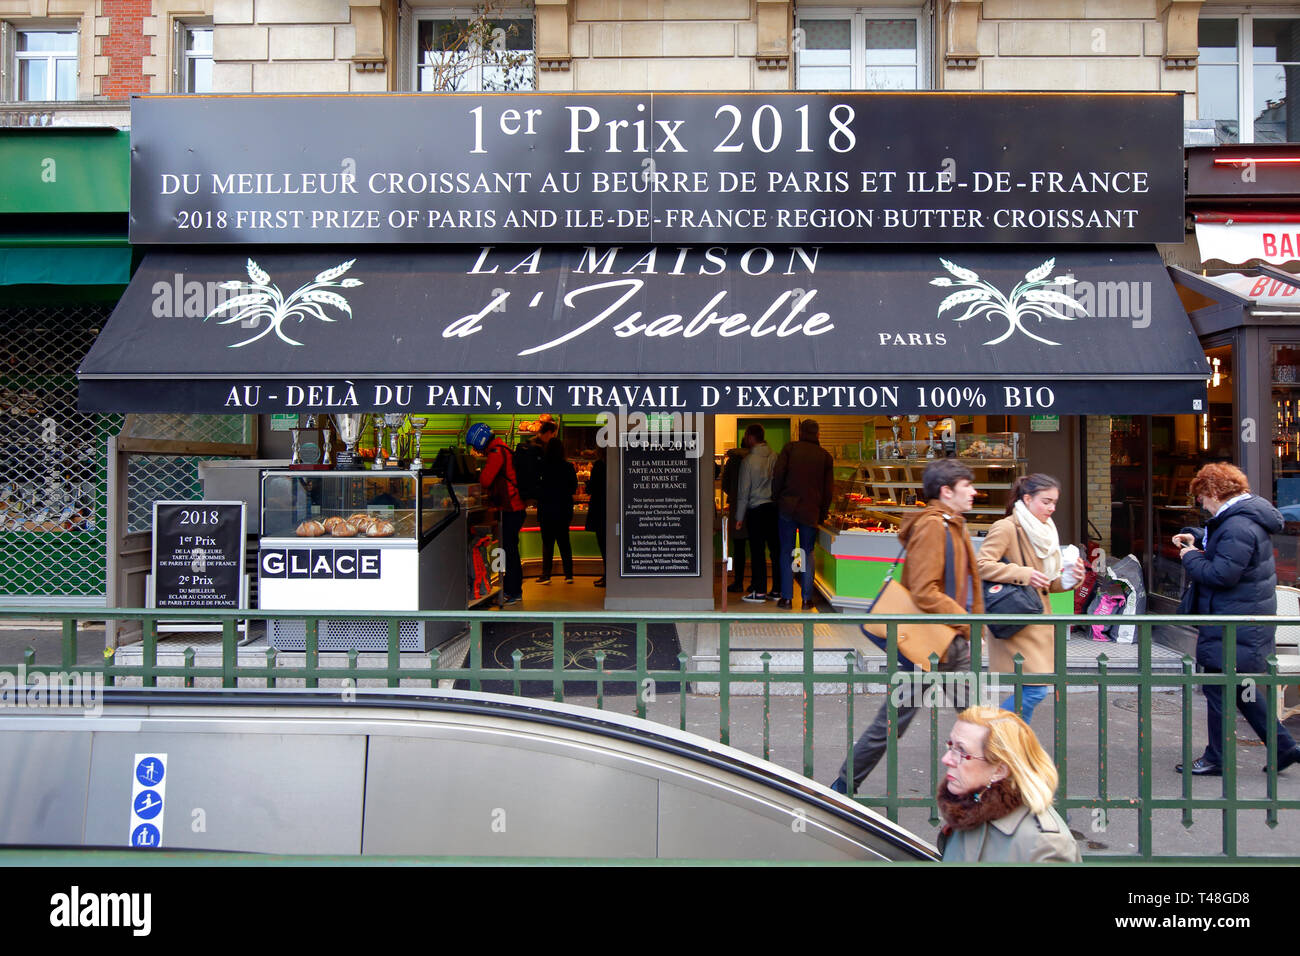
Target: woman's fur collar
column 982, row 806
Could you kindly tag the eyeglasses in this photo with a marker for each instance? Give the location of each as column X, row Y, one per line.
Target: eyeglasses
column 960, row 754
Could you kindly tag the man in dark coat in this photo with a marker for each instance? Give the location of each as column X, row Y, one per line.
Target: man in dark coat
column 803, row 482
column 1229, row 564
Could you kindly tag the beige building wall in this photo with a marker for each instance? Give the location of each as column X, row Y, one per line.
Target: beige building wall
column 674, row 45
column 1064, row 45
column 81, row 15
column 612, row 45
column 289, row 46
column 302, row 46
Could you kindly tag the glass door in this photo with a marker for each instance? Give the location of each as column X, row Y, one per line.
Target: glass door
column 1284, row 409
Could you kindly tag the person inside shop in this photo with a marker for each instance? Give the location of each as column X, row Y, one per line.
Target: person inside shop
column 502, row 488
column 1024, row 548
column 528, row 460
column 555, row 509
column 730, row 483
column 387, row 496
column 596, row 508
column 803, row 480
column 756, row 514
column 930, row 537
column 996, row 796
column 1230, row 570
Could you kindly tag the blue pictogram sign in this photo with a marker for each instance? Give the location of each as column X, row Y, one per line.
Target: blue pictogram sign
column 146, row 834
column 149, row 771
column 148, row 804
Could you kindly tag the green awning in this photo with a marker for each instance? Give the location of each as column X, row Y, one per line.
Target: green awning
column 65, row 170
column 70, row 260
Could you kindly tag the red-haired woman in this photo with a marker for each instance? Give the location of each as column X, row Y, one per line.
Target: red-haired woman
column 1229, row 564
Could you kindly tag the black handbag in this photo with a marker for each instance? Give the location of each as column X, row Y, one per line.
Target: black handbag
column 1009, row 598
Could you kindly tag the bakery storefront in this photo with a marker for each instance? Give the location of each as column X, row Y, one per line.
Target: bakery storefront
column 659, row 271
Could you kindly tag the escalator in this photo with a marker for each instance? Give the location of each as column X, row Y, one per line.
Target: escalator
column 416, row 773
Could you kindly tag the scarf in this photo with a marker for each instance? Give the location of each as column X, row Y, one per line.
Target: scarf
column 1043, row 538
column 978, row 807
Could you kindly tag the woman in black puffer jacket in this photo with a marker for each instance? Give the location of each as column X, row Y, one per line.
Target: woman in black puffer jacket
column 1229, row 564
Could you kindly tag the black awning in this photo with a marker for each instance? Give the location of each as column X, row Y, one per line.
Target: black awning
column 781, row 329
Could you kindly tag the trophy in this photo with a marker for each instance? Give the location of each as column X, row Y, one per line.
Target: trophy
column 417, row 422
column 929, row 441
column 326, row 445
column 911, row 451
column 295, row 448
column 349, row 427
column 394, row 422
column 896, row 429
column 379, row 442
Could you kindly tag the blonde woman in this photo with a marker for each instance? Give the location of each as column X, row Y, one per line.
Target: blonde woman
column 1028, row 541
column 996, row 798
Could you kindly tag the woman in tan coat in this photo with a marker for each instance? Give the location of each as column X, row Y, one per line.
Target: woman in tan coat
column 1027, row 538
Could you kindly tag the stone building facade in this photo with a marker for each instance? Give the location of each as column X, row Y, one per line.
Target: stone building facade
column 268, row 46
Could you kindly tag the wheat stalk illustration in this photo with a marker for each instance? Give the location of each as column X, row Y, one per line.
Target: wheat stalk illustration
column 1028, row 299
column 263, row 299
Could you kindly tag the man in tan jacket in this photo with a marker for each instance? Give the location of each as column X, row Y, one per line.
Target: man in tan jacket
column 937, row 589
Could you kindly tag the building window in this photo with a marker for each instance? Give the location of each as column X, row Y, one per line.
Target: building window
column 193, row 58
column 852, row 50
column 461, row 51
column 1245, row 69
column 45, row 65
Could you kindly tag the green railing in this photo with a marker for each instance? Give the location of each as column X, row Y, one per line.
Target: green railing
column 272, row 670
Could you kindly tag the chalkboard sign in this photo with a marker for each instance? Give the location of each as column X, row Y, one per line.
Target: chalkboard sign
column 198, row 554
column 660, row 531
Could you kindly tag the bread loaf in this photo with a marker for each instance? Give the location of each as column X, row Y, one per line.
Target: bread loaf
column 310, row 529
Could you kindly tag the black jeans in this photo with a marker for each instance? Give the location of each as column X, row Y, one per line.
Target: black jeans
column 871, row 745
column 600, row 542
column 555, row 530
column 512, row 583
column 738, row 548
column 1255, row 711
column 760, row 524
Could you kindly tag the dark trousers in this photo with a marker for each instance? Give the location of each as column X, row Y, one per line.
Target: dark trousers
column 871, row 745
column 555, row 530
column 1256, row 714
column 738, row 548
column 600, row 543
column 807, row 535
column 760, row 524
column 513, row 582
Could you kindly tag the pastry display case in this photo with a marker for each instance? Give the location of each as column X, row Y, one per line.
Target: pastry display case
column 859, row 540
column 357, row 541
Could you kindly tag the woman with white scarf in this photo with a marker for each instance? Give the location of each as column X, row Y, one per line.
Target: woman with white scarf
column 1027, row 538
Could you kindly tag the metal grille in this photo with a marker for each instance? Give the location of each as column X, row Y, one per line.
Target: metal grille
column 52, row 457
column 151, row 478
column 345, row 635
column 223, row 429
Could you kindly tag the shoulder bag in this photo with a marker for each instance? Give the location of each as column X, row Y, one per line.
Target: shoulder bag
column 1007, row 598
column 919, row 639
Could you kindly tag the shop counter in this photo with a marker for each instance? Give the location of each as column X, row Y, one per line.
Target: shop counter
column 361, row 541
